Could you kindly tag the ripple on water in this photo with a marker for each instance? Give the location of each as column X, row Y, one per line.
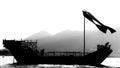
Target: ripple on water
column 48, row 66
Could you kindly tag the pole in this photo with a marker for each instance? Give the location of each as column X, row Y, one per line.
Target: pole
column 84, row 39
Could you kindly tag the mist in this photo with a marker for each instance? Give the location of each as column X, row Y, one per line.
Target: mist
column 69, row 40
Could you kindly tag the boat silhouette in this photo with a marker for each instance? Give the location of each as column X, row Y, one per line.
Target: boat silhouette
column 26, row 52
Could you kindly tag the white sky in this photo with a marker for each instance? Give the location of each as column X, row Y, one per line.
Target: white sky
column 21, row 18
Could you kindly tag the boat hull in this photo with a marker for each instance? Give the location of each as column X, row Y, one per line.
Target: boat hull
column 28, row 56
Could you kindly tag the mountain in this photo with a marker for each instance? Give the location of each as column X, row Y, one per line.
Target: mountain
column 63, row 41
column 69, row 40
column 39, row 35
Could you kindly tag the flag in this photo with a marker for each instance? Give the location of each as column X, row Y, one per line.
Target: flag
column 100, row 26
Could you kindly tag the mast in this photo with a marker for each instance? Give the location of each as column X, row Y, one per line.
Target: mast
column 84, row 39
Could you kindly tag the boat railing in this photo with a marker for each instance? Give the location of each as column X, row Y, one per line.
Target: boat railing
column 64, row 53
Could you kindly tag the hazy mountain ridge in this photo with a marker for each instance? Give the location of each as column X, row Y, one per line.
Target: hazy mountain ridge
column 39, row 35
column 73, row 41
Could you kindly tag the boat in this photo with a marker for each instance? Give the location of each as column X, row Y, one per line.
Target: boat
column 26, row 52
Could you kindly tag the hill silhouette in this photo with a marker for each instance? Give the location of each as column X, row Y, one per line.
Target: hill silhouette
column 39, row 35
column 69, row 40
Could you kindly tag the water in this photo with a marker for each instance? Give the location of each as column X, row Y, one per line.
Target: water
column 6, row 61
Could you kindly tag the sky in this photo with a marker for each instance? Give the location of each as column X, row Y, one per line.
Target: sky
column 22, row 18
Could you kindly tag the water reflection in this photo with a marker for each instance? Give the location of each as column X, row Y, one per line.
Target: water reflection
column 47, row 66
column 6, row 60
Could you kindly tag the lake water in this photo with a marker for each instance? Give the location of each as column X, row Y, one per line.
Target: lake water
column 5, row 62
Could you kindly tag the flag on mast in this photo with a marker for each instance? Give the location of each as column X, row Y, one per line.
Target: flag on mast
column 100, row 26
